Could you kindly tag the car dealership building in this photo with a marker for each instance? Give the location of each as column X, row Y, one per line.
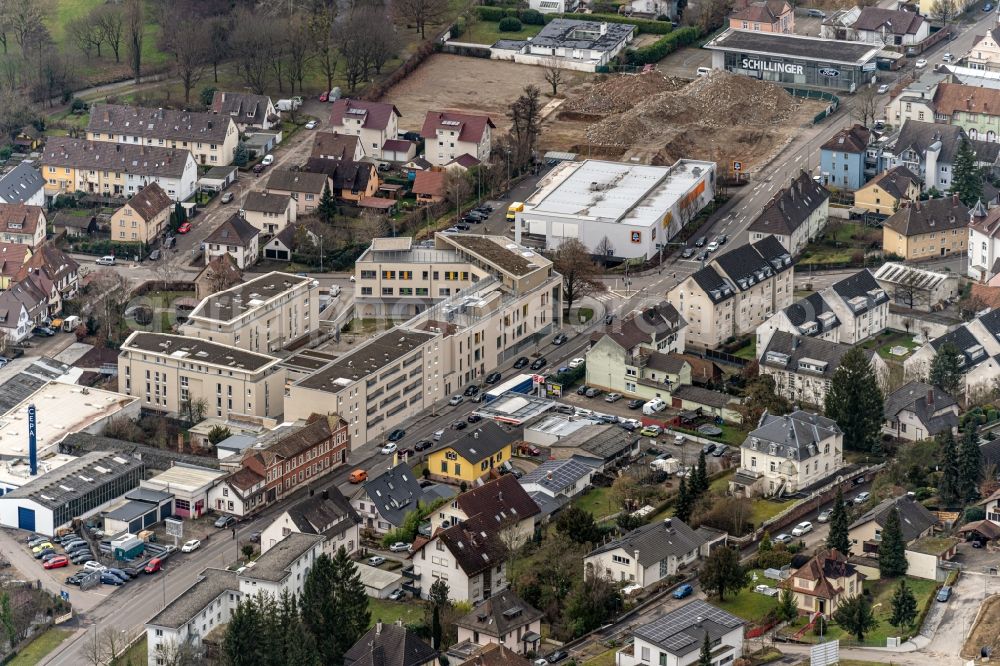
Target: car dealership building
column 795, row 60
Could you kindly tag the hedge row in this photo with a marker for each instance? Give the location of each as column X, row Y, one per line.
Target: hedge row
column 533, row 17
column 664, row 46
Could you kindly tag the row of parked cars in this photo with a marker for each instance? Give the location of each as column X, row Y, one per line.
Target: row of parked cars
column 76, row 550
column 477, row 215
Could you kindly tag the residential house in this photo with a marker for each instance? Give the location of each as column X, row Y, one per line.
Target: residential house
column 764, row 16
column 562, row 479
column 843, row 159
column 787, row 454
column 285, row 243
column 34, row 292
column 978, row 345
column 74, row 223
column 168, row 371
column 984, row 243
column 915, row 521
column 15, row 322
column 915, row 288
column 915, row 101
column 891, row 27
column 349, row 180
column 985, row 51
column 143, row 217
column 327, row 513
column 116, row 170
column 916, row 411
column 24, row 184
column 306, row 188
column 648, row 554
column 28, row 139
column 210, row 138
column 803, row 367
column 235, row 237
column 886, row 193
column 22, row 224
column 824, row 583
column 929, row 229
column 643, row 347
column 240, row 494
column 973, row 108
column 992, row 507
column 12, row 257
column 448, row 134
column 472, row 456
column 373, row 123
column 428, row 186
column 248, row 111
column 795, row 214
column 384, row 500
column 676, row 637
column 735, row 293
column 269, row 213
column 471, row 557
column 505, row 620
column 928, row 150
column 503, row 501
column 54, row 270
column 333, row 146
column 219, row 274
column 390, row 645
column 492, row 654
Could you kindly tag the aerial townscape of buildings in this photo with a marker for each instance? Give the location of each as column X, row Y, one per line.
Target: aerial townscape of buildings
column 654, row 333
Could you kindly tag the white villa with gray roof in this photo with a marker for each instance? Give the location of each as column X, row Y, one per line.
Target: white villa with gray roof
column 650, row 553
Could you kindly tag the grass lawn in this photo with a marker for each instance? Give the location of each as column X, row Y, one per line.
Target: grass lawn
column 135, row 654
column 748, row 604
column 721, row 483
column 41, row 646
column 750, row 351
column 823, row 255
column 731, row 434
column 410, row 611
column 488, row 32
column 603, row 659
column 886, row 341
column 597, row 501
column 762, row 509
column 585, row 314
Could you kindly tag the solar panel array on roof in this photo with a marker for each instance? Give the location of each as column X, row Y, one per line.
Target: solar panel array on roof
column 670, row 630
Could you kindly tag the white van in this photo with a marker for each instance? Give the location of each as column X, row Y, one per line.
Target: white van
column 653, row 406
column 107, row 260
column 704, row 71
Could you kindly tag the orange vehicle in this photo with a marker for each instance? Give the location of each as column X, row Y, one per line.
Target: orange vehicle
column 358, row 476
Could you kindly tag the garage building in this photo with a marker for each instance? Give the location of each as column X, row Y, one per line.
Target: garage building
column 795, row 60
column 78, row 489
column 189, row 485
column 140, row 510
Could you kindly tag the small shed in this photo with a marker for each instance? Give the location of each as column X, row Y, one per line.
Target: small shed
column 75, row 223
column 378, row 583
column 218, row 178
column 259, row 144
column 378, row 204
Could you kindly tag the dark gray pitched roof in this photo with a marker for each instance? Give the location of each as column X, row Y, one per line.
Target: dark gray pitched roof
column 262, row 202
column 813, row 309
column 934, row 215
column 914, row 518
column 918, row 136
column 894, row 21
column 657, row 321
column 481, row 443
column 791, row 206
column 703, row 396
column 233, row 231
column 297, row 181
column 499, row 501
column 158, row 123
column 713, row 284
column 682, row 631
column 327, row 512
column 895, row 181
column 803, row 354
column 796, row 436
column 499, row 615
column 913, row 397
column 389, row 645
column 20, row 183
column 747, row 265
column 861, row 292
column 395, row 492
column 972, row 353
column 656, row 541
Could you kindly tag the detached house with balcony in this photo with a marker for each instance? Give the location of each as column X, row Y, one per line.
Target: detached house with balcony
column 649, row 554
column 916, row 411
column 449, row 135
column 675, row 638
column 383, row 501
column 915, row 521
column 735, row 293
column 248, row 111
column 23, row 225
column 824, row 583
column 891, row 27
column 795, row 215
column 786, row 454
column 503, row 502
column 503, row 619
column 374, row 123
column 985, row 51
column 270, row 214
column 928, row 150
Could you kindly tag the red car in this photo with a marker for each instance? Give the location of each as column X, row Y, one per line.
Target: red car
column 323, row 97
column 153, row 565
column 184, row 228
column 57, row 562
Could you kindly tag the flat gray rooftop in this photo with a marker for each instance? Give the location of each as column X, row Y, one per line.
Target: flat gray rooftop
column 377, row 354
column 274, row 564
column 794, row 46
column 197, row 351
column 232, row 303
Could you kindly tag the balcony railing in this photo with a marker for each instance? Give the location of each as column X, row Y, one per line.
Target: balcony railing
column 410, row 573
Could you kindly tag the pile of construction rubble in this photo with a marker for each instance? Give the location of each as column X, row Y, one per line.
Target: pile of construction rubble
column 620, row 92
column 720, row 100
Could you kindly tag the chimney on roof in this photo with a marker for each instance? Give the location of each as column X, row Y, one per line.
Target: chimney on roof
column 954, row 199
column 325, row 494
column 698, row 621
column 378, row 628
column 930, row 397
column 223, row 97
column 668, row 523
column 604, row 27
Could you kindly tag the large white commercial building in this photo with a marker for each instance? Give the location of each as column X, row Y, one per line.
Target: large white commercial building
column 616, row 209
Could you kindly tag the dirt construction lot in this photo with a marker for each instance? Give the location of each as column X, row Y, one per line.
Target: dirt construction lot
column 472, row 85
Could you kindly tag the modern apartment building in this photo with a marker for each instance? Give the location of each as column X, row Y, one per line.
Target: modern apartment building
column 209, row 137
column 169, row 372
column 735, row 293
column 261, row 315
column 455, row 338
column 115, row 169
column 373, row 123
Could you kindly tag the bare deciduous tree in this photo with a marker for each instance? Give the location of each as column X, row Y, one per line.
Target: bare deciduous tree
column 252, row 51
column 419, row 13
column 217, row 47
column 456, row 188
column 579, row 272
column 366, row 43
column 135, row 32
column 944, row 11
column 525, row 118
column 24, row 18
column 553, row 74
column 301, row 51
column 186, row 41
column 111, row 22
column 321, row 35
column 866, row 105
column 87, row 35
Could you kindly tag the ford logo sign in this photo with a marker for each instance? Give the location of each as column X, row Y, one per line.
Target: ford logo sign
column 828, row 71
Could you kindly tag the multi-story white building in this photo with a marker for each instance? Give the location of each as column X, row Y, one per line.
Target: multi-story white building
column 470, row 557
column 170, row 372
column 616, row 209
column 458, row 337
column 675, row 638
column 916, row 411
column 23, row 184
column 260, row 315
column 448, row 135
column 503, row 619
column 210, row 602
column 327, row 513
column 735, row 293
column 269, row 213
column 794, row 215
column 978, row 346
column 373, row 123
column 788, row 453
column 984, row 243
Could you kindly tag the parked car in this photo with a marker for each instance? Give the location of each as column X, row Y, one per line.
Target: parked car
column 538, row 363
column 720, row 450
column 920, row 64
column 396, row 595
column 184, row 228
column 226, row 197
column 824, row 516
column 521, row 362
column 93, row 566
column 107, row 260
column 358, row 476
column 613, row 397
column 456, row 400
column 45, row 551
column 782, row 538
column 557, row 656
column 582, row 389
column 474, row 418
column 224, row 521
column 863, row 497
column 191, row 546
column 687, row 253
column 577, row 362
column 560, row 339
column 37, row 541
column 883, row 89
column 493, row 378
column 944, row 594
column 257, row 168
column 678, row 440
column 802, row 528
column 75, row 579
column 471, row 390
column 153, row 565
column 389, row 448
column 651, row 431
column 311, row 124
column 422, row 445
column 375, row 560
column 712, row 247
column 634, row 404
column 45, row 545
column 397, row 435
column 118, row 572
column 593, row 392
column 766, row 590
column 43, row 330
column 988, row 7
column 459, row 425
column 708, row 448
column 684, row 590
column 700, row 242
column 268, row 160
column 81, row 557
column 323, row 96
column 399, row 547
column 111, row 579
column 722, row 239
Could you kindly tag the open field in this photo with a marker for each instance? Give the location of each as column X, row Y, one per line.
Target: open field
column 41, row 646
column 474, row 85
column 488, row 32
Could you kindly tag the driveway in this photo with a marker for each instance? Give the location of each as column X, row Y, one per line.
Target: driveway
column 949, row 623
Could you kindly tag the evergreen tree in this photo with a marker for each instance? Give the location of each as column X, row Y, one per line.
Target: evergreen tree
column 892, row 551
column 327, row 208
column 945, row 372
column 352, row 614
column 699, row 480
column 439, row 593
column 318, row 606
column 855, row 616
column 904, row 606
column 578, row 525
column 787, row 609
column 765, row 545
column 684, row 503
column 855, row 402
column 436, row 628
column 242, row 644
column 705, row 656
column 970, row 465
column 839, row 524
column 241, row 156
column 948, row 488
column 967, row 179
column 722, row 572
